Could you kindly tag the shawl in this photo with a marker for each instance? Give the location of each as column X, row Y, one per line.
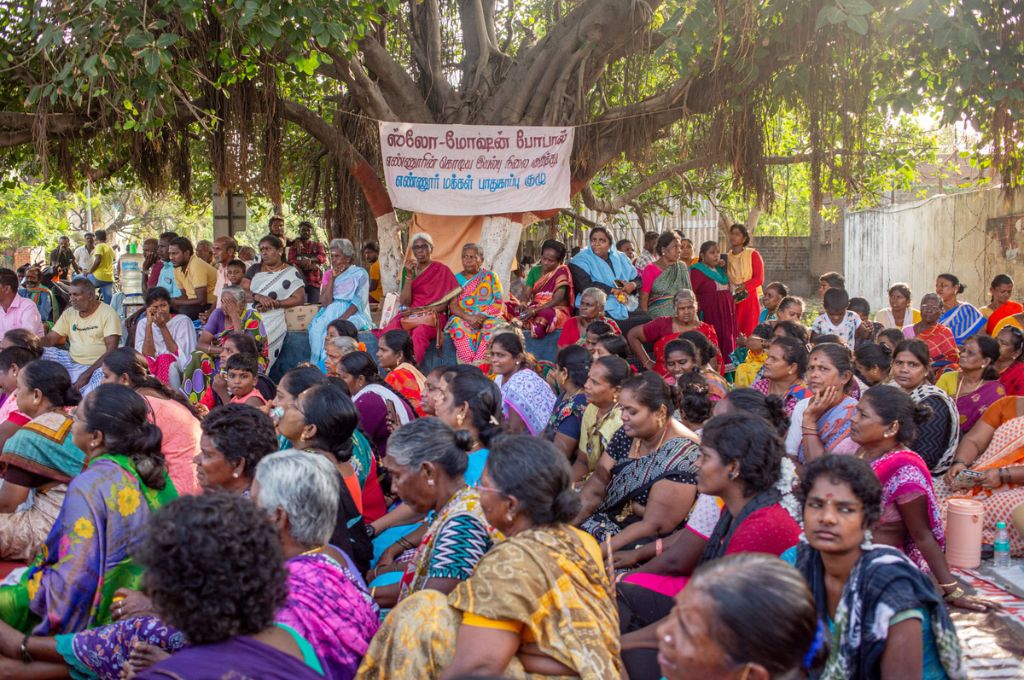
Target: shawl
column 327, row 607
column 529, row 395
column 434, row 284
column 717, row 274
column 727, row 525
column 883, row 583
column 44, row 447
column 670, row 281
column 904, row 476
column 606, row 272
column 964, row 320
column 1008, row 308
column 919, row 394
column 561, row 596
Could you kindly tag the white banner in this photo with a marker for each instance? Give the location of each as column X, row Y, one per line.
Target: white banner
column 476, row 169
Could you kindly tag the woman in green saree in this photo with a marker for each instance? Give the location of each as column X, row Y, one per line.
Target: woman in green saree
column 87, row 556
column 664, row 277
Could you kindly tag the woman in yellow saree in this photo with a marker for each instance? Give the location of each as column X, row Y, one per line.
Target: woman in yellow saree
column 539, row 604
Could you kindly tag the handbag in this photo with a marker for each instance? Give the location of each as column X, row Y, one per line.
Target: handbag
column 419, row 319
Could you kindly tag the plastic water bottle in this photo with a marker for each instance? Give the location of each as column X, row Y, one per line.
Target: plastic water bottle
column 1001, row 558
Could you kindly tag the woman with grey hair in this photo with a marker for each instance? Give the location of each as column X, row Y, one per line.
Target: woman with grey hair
column 591, row 309
column 344, row 294
column 478, row 309
column 427, row 461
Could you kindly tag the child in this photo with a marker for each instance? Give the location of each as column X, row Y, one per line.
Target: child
column 242, row 371
column 235, row 272
column 774, row 293
column 867, row 329
column 837, row 319
column 595, row 330
column 747, row 371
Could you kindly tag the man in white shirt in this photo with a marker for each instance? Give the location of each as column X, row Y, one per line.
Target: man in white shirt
column 83, row 254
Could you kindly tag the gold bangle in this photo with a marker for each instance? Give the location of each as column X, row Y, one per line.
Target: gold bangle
column 955, row 594
column 948, row 585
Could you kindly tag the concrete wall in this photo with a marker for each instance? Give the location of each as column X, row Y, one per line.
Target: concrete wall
column 974, row 235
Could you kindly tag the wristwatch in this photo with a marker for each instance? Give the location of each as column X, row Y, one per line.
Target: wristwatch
column 371, row 531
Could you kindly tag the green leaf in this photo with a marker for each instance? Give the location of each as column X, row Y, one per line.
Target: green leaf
column 138, row 40
column 151, row 60
column 166, row 40
column 857, row 24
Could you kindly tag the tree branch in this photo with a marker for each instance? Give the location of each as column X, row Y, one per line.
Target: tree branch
column 398, row 88
column 617, row 203
column 425, row 19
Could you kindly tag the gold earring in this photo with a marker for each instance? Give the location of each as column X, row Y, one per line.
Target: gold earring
column 460, row 419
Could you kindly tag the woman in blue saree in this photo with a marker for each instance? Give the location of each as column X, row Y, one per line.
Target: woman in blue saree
column 88, row 554
column 962, row 318
column 602, row 266
column 348, row 288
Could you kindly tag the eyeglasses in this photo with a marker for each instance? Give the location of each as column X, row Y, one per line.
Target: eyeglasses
column 481, row 488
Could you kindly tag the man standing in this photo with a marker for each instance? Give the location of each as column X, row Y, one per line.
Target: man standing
column 371, row 254
column 204, row 251
column 162, row 273
column 101, row 273
column 224, row 249
column 93, row 330
column 62, row 260
column 276, row 227
column 196, row 279
column 83, row 255
column 308, row 256
column 16, row 311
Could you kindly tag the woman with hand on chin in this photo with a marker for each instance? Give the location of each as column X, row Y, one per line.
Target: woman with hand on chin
column 820, row 424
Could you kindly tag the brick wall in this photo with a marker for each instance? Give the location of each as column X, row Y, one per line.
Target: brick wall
column 787, row 259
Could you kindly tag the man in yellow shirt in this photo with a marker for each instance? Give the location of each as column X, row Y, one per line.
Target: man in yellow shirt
column 196, row 278
column 370, row 256
column 92, row 330
column 102, row 272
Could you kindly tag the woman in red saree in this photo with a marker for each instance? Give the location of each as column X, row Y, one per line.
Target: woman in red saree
column 591, row 309
column 427, row 288
column 941, row 343
column 549, row 290
column 395, row 355
column 746, row 272
column 1000, row 305
column 714, row 296
column 665, row 329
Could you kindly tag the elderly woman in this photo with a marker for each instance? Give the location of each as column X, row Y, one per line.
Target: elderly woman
column 602, row 266
column 273, row 286
column 664, row 278
column 87, row 556
column 166, row 340
column 477, row 310
column 746, row 275
column 490, row 625
column 427, row 288
column 347, row 286
column 714, row 296
column 427, row 461
column 899, row 314
column 645, row 482
column 942, row 344
column 590, row 309
column 664, row 329
column 549, row 291
column 962, row 318
column 232, row 316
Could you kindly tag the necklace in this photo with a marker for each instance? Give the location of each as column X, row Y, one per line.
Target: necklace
column 961, row 381
column 313, row 551
column 634, row 452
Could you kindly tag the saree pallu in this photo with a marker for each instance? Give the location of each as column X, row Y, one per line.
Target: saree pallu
column 606, row 272
column 669, row 281
column 1004, row 310
column 927, row 446
column 1012, row 379
column 963, row 321
column 544, row 288
column 1005, row 449
column 87, row 555
column 971, row 406
column 351, row 288
column 409, row 382
column 530, row 397
column 197, row 376
column 279, row 285
column 715, row 304
column 887, row 320
column 942, row 346
column 482, row 295
column 546, row 583
column 881, row 584
column 746, row 270
column 905, row 476
column 833, row 425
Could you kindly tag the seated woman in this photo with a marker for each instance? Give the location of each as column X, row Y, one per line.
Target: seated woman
column 873, row 362
column 602, row 266
column 707, row 356
column 938, row 436
column 976, row 385
column 589, row 309
column 644, row 484
column 878, row 606
column 323, row 420
column 883, row 427
column 1000, row 304
column 427, row 461
column 741, row 464
column 335, row 349
column 490, row 624
column 663, row 279
column 665, row 328
column 962, row 318
column 527, row 398
column 395, row 354
column 88, row 555
column 171, row 412
column 427, row 288
column 899, row 314
column 942, row 345
column 993, row 449
column 381, row 408
column 572, row 366
column 717, row 629
column 12, row 360
column 549, row 292
column 1011, row 360
column 272, row 286
column 38, row 461
column 166, row 340
column 603, row 417
column 344, row 294
column 477, row 310
column 231, row 317
column 820, row 424
column 783, row 372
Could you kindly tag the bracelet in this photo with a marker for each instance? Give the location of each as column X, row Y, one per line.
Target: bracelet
column 961, row 462
column 23, row 649
column 809, row 430
column 948, row 585
column 657, row 547
column 955, row 594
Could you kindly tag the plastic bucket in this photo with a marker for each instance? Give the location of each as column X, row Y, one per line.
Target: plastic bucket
column 964, row 521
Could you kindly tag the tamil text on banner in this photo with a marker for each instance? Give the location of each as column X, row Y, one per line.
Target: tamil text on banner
column 476, row 169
